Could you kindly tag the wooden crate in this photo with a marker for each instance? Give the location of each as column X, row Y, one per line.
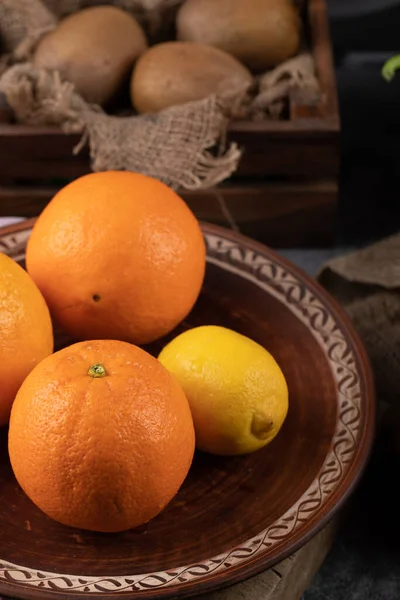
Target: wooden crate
column 284, row 192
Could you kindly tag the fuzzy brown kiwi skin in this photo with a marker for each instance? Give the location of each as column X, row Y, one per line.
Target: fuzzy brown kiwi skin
column 259, row 33
column 95, row 49
column 174, row 73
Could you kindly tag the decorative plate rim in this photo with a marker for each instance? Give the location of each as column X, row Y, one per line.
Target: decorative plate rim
column 343, row 465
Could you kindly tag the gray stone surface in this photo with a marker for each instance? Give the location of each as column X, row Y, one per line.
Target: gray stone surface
column 311, row 260
column 364, row 563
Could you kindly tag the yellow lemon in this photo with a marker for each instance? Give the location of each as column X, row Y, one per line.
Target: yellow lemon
column 236, row 390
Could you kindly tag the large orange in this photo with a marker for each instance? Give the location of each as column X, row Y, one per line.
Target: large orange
column 26, row 333
column 101, row 436
column 117, row 255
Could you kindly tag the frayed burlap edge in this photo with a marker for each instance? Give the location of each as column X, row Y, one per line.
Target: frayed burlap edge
column 176, row 145
column 37, row 97
column 295, row 78
column 22, row 24
column 182, row 145
column 367, row 283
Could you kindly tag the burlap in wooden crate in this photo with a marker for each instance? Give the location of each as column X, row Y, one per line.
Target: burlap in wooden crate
column 183, row 145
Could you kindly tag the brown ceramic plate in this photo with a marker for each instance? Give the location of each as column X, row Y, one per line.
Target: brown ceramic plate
column 233, row 517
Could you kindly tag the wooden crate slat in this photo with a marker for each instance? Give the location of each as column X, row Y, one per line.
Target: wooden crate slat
column 278, row 214
column 321, row 45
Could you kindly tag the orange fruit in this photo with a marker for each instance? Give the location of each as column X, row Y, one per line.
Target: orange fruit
column 26, row 333
column 101, row 436
column 117, row 255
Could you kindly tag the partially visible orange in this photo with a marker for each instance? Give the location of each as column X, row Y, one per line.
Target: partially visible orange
column 117, row 255
column 101, row 436
column 26, row 333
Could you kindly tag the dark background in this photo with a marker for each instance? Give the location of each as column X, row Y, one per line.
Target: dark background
column 364, row 34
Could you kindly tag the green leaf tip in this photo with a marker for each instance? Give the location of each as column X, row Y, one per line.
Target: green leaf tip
column 390, row 67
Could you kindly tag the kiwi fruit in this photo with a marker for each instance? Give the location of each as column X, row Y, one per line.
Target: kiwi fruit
column 94, row 49
column 174, row 73
column 259, row 33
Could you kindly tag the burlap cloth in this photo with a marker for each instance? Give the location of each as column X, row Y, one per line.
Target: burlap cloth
column 184, row 146
column 367, row 284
